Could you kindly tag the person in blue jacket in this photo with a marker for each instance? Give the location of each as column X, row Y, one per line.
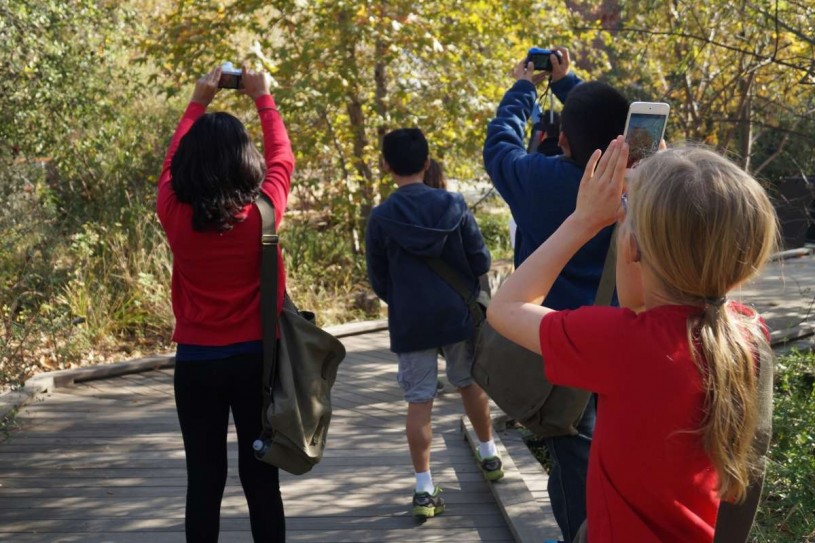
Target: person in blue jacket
column 425, row 313
column 541, row 192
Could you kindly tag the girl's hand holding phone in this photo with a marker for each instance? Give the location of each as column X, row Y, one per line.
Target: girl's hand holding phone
column 599, row 199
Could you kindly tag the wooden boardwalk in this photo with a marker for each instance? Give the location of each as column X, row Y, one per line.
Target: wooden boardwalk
column 103, row 461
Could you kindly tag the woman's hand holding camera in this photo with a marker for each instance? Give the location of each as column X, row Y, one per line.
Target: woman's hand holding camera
column 256, row 84
column 253, row 84
column 207, row 87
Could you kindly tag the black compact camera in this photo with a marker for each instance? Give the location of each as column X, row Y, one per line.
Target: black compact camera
column 541, row 58
column 230, row 77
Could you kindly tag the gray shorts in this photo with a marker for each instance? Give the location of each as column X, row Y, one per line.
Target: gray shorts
column 419, row 370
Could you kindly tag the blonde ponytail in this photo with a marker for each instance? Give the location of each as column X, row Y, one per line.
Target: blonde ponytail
column 729, row 345
column 703, row 227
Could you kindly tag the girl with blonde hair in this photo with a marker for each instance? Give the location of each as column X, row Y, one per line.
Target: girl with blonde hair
column 675, row 368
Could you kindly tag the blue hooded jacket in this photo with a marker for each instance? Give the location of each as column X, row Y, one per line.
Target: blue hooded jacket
column 541, row 192
column 418, row 221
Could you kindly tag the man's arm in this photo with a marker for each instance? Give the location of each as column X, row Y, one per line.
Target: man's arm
column 518, row 176
column 563, row 87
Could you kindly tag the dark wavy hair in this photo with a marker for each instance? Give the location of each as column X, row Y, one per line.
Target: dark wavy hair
column 217, row 170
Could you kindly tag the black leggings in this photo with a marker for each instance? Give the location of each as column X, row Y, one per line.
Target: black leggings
column 205, row 390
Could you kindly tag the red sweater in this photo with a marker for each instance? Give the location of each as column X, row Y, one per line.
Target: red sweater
column 216, row 276
column 649, row 478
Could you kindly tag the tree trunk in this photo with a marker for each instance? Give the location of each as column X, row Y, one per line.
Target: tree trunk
column 356, row 120
column 745, row 121
column 381, row 90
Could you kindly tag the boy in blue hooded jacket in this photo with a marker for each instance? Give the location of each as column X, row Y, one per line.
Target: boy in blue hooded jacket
column 424, row 312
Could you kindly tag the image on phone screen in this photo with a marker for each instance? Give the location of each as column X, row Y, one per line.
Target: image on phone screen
column 644, row 133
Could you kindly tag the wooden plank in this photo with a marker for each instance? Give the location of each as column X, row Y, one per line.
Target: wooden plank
column 523, row 515
column 104, row 461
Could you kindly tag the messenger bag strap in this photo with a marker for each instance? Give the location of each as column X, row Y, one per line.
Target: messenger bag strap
column 605, row 290
column 608, row 280
column 735, row 520
column 268, row 289
column 455, row 280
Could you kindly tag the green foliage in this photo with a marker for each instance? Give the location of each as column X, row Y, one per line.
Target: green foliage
column 494, row 225
column 349, row 71
column 740, row 75
column 83, row 269
column 324, row 274
column 785, row 514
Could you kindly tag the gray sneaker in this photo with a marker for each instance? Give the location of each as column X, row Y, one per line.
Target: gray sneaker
column 492, row 467
column 428, row 505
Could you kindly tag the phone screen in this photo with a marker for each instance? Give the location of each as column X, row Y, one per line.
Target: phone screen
column 643, row 135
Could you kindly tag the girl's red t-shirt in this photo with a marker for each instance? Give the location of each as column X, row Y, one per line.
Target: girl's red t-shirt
column 649, row 478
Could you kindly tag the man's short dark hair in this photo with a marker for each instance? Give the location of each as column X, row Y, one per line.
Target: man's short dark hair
column 405, row 150
column 593, row 115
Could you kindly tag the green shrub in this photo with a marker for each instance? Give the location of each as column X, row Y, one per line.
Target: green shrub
column 786, row 511
column 494, row 225
column 324, row 273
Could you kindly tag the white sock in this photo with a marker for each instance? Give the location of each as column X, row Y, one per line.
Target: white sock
column 487, row 449
column 424, row 482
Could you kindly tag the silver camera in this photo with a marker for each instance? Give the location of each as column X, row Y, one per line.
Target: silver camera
column 230, row 77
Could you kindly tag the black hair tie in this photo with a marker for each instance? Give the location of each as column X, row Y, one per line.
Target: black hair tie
column 716, row 302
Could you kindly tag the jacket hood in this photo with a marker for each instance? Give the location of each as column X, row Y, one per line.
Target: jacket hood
column 422, row 219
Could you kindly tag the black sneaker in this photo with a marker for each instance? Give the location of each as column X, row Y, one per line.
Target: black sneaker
column 492, row 467
column 428, row 505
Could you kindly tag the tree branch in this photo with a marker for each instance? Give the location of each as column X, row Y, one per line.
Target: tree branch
column 703, row 39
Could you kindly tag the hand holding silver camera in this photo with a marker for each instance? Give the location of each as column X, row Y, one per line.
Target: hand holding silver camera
column 230, row 77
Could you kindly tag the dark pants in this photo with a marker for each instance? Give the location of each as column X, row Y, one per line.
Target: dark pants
column 205, row 391
column 567, row 480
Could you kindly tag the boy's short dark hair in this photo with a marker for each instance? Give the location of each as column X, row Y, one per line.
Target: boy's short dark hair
column 593, row 115
column 405, row 150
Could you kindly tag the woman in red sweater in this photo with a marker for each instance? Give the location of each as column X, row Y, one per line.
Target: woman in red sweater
column 675, row 367
column 212, row 174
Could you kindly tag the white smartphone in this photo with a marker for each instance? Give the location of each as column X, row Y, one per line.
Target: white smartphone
column 645, row 128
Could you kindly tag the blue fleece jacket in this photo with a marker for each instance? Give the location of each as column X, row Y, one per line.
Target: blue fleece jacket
column 541, row 192
column 418, row 221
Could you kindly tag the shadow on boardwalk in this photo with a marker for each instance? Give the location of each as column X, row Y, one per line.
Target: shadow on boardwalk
column 103, row 461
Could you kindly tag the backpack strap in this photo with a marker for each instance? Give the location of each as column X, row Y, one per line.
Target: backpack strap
column 268, row 289
column 608, row 279
column 605, row 290
column 735, row 520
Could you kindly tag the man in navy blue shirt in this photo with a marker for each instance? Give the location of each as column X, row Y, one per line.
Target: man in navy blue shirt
column 425, row 313
column 541, row 192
